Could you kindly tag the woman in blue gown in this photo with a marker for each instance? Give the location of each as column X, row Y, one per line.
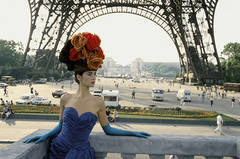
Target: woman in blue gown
column 80, row 111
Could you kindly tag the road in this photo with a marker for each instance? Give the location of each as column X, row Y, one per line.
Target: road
column 143, row 97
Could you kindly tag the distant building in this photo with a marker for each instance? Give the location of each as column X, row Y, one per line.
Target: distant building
column 112, row 69
column 137, row 67
column 109, row 67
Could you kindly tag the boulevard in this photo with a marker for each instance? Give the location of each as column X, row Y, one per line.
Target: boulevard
column 143, row 95
column 144, row 98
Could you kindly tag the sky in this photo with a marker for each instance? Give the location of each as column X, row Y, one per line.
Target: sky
column 125, row 36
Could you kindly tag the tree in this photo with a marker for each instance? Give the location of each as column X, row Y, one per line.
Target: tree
column 10, row 53
column 231, row 64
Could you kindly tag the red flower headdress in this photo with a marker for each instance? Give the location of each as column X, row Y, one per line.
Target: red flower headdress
column 86, row 46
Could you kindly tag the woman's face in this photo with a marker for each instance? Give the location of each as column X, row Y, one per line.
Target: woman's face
column 88, row 78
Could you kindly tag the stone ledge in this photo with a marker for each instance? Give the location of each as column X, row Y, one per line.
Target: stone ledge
column 157, row 144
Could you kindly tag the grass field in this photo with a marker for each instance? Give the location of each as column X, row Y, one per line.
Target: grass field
column 147, row 113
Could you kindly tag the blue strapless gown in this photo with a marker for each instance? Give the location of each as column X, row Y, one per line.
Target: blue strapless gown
column 72, row 142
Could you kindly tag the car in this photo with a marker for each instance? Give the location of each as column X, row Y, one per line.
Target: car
column 157, row 94
column 58, row 93
column 41, row 81
column 25, row 99
column 40, row 100
column 2, row 85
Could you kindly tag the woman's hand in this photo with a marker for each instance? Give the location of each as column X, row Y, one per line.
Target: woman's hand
column 141, row 134
column 37, row 139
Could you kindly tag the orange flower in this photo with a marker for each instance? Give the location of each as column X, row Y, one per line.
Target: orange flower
column 83, row 53
column 78, row 41
column 94, row 62
column 74, row 55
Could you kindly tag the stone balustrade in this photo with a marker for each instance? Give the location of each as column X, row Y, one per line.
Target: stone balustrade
column 156, row 146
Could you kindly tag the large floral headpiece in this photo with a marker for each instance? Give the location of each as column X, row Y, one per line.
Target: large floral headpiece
column 86, row 46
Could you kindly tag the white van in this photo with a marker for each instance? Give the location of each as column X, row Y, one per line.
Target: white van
column 111, row 98
column 157, row 94
column 184, row 94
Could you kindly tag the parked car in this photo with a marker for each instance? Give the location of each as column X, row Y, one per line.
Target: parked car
column 40, row 100
column 58, row 93
column 41, row 81
column 2, row 85
column 25, row 99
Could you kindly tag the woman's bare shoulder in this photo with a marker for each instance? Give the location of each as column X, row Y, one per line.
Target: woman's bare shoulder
column 65, row 97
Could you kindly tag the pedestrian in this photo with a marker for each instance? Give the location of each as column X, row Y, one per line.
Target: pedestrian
column 5, row 91
column 211, row 101
column 108, row 112
column 182, row 101
column 222, row 94
column 219, row 124
column 203, row 96
column 62, row 86
column 115, row 115
column 36, row 93
column 133, row 94
column 233, row 101
column 31, row 90
column 2, row 102
column 4, row 112
column 80, row 111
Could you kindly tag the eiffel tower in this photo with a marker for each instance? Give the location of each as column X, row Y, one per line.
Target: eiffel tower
column 189, row 23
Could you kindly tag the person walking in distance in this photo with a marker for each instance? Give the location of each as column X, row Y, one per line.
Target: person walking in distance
column 203, row 96
column 211, row 101
column 133, row 94
column 233, row 101
column 115, row 115
column 219, row 124
column 5, row 91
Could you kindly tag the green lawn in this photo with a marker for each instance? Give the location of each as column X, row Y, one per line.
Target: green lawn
column 159, row 113
column 225, row 118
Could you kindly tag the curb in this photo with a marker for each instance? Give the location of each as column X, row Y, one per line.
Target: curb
column 138, row 120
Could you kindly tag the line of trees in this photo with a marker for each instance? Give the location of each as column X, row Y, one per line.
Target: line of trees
column 11, row 54
column 231, row 62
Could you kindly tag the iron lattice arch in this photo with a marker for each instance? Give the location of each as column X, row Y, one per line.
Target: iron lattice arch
column 189, row 23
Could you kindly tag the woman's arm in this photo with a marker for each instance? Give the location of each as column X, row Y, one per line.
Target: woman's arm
column 114, row 131
column 55, row 130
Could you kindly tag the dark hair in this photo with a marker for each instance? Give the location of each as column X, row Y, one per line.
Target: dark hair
column 79, row 66
column 78, row 73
